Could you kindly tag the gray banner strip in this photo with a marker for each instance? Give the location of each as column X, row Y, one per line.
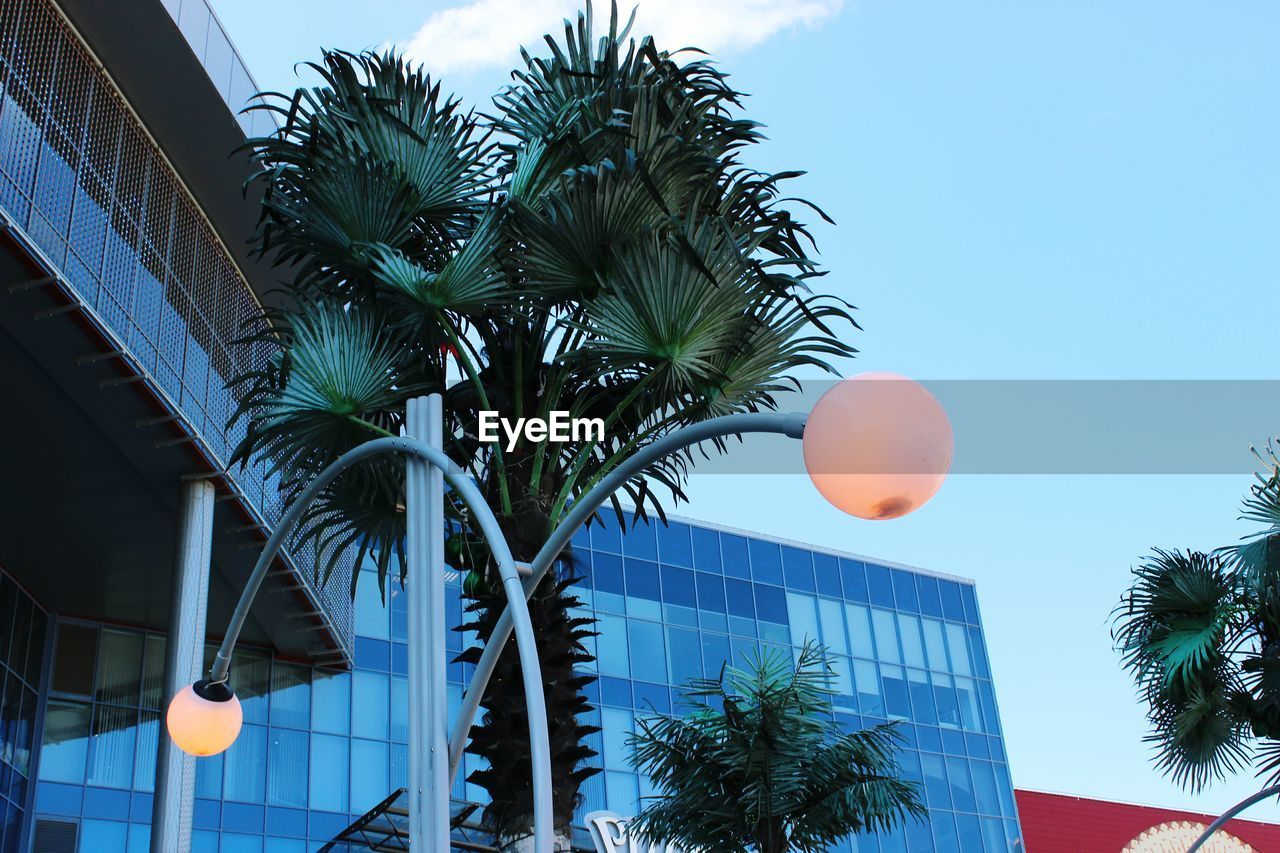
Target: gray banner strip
column 1069, row 427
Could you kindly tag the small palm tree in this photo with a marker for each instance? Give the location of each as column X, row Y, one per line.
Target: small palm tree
column 1200, row 634
column 595, row 247
column 761, row 766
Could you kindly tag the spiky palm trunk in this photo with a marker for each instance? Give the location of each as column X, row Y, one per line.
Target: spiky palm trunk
column 501, row 738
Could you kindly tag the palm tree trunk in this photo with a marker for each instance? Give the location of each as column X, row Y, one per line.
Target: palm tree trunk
column 772, row 838
column 502, row 736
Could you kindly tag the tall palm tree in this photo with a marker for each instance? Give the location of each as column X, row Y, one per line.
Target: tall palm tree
column 760, row 765
column 596, row 246
column 1200, row 634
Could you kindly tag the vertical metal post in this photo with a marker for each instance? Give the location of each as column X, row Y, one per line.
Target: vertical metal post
column 184, row 659
column 428, row 700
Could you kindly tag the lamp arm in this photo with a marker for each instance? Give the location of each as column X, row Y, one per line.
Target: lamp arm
column 1269, row 791
column 790, row 425
column 222, row 660
column 539, row 741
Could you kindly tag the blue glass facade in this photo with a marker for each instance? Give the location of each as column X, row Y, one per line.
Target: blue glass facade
column 679, row 601
column 320, row 747
column 23, row 630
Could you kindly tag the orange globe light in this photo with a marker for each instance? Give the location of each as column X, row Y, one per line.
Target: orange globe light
column 878, row 445
column 204, row 718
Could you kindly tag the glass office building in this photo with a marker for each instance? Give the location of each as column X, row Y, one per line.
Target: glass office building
column 678, row 602
column 321, row 747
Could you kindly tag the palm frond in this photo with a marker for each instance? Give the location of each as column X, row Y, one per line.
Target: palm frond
column 1199, row 735
column 375, row 155
column 470, row 282
column 1173, row 623
column 1198, row 633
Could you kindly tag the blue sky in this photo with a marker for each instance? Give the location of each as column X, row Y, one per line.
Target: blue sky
column 1030, row 190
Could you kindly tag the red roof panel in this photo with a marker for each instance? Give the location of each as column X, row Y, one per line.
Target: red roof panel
column 1057, row 823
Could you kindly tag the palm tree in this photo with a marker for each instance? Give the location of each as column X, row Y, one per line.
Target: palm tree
column 596, row 247
column 1200, row 634
column 760, row 765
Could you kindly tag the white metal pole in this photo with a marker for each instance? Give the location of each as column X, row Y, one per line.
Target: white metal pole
column 437, row 660
column 415, row 487
column 184, row 658
column 428, row 701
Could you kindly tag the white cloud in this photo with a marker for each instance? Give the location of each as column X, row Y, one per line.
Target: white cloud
column 485, row 33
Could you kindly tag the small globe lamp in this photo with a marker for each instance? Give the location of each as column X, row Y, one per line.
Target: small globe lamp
column 878, row 445
column 204, row 718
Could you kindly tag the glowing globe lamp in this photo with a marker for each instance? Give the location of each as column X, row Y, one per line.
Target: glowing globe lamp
column 204, row 718
column 878, row 445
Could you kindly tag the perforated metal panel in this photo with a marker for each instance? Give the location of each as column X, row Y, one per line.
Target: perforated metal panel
column 81, row 179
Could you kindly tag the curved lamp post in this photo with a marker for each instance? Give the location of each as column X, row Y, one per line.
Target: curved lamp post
column 877, row 446
column 204, row 719
column 1265, row 793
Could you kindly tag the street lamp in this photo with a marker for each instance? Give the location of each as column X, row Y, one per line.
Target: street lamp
column 911, row 434
column 204, row 718
column 192, row 717
column 878, row 445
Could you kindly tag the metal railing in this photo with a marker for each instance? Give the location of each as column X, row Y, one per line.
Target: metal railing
column 385, row 828
column 83, row 182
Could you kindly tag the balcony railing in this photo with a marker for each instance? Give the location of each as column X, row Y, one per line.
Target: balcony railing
column 83, row 182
